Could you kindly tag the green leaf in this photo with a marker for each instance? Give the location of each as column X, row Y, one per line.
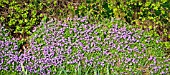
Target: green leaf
column 163, row 1
column 20, row 21
column 140, row 3
column 11, row 22
column 169, row 36
column 163, row 12
column 25, row 20
column 2, row 18
column 34, row 13
column 24, row 15
column 147, row 4
column 17, row 16
column 6, row 1
column 64, row 71
column 156, row 8
column 167, row 44
column 150, row 27
column 18, row 29
column 95, row 71
column 28, row 32
column 87, row 71
column 41, row 15
column 23, row 69
column 115, row 10
column 143, row 19
column 45, row 18
column 79, row 70
column 165, row 30
column 108, row 73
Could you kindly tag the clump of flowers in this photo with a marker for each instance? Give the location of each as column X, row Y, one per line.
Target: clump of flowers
column 76, row 42
column 8, row 49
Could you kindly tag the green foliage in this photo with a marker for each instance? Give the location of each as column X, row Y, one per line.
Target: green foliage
column 21, row 17
column 167, row 44
column 97, row 8
column 3, row 72
column 146, row 14
column 149, row 14
column 140, row 10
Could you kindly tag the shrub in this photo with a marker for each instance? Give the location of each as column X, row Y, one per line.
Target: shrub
column 22, row 15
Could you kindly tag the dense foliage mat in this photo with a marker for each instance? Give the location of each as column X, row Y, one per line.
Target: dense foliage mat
column 76, row 46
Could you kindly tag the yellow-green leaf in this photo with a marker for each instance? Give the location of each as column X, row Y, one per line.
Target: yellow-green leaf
column 163, row 1
column 150, row 27
column 169, row 36
column 163, row 12
column 147, row 4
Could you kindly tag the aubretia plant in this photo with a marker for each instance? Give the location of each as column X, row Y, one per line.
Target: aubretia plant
column 8, row 49
column 68, row 46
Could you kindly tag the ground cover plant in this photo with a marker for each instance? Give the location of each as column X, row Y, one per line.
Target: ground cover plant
column 94, row 44
column 21, row 16
column 145, row 14
column 141, row 13
column 77, row 47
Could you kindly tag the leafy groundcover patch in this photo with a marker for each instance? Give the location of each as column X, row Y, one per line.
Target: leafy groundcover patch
column 78, row 47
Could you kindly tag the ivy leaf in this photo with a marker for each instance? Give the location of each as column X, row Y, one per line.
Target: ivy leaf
column 20, row 21
column 34, row 13
column 147, row 4
column 45, row 18
column 28, row 32
column 26, row 20
column 41, row 15
column 167, row 44
column 156, row 8
column 169, row 36
column 163, row 1
column 2, row 18
column 163, row 12
column 150, row 27
column 24, row 15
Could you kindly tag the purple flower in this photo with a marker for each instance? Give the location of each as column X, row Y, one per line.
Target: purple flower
column 16, row 58
column 19, row 68
column 163, row 72
column 81, row 44
column 65, row 25
column 69, row 51
column 127, row 60
column 102, row 64
column 75, row 30
column 54, row 49
column 156, row 69
column 134, row 60
column 82, row 20
column 150, row 58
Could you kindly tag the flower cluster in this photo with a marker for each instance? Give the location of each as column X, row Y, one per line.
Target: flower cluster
column 8, row 49
column 77, row 42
